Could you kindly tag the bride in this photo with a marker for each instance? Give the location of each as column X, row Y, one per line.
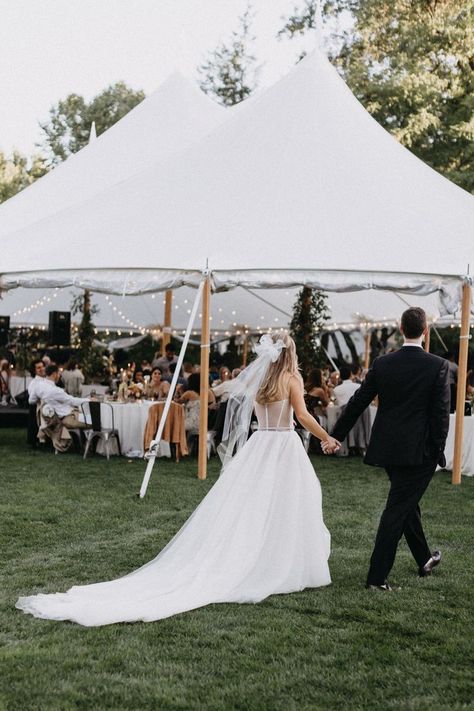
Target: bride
column 258, row 532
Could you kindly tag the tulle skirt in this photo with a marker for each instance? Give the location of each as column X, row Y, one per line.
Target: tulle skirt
column 258, row 532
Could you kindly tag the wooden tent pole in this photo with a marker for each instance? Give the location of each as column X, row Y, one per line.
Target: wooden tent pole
column 205, row 348
column 367, row 351
column 462, row 377
column 167, row 325
column 245, row 351
column 427, row 339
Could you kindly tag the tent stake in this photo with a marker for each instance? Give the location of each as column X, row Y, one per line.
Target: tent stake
column 205, row 348
column 462, row 377
column 167, row 325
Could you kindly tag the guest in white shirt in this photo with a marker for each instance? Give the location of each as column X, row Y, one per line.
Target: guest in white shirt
column 347, row 388
column 59, row 401
column 37, row 371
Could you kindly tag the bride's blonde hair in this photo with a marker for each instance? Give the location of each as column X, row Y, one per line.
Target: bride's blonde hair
column 287, row 364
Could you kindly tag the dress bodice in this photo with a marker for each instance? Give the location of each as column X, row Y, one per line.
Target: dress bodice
column 276, row 415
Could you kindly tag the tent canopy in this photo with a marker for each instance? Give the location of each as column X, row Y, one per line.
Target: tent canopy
column 300, row 186
column 168, row 121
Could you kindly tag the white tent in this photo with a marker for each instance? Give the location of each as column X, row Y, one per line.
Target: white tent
column 165, row 123
column 300, row 186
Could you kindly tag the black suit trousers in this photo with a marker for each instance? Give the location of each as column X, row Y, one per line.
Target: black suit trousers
column 401, row 516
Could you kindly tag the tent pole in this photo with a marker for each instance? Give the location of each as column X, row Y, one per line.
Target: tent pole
column 205, row 347
column 245, row 351
column 427, row 339
column 167, row 327
column 462, row 377
column 367, row 350
column 154, row 445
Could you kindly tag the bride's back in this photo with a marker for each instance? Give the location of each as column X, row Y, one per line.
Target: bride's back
column 276, row 415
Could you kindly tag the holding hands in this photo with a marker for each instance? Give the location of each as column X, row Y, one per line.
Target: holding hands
column 330, row 445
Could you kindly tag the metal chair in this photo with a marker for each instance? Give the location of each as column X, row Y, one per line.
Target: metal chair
column 106, row 434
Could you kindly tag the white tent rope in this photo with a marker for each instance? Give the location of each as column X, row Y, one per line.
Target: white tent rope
column 265, row 301
column 155, row 443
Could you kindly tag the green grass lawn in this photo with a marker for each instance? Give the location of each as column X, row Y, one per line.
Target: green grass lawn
column 65, row 522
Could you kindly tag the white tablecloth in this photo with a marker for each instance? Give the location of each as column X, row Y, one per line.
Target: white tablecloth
column 333, row 412
column 130, row 420
column 467, row 461
column 18, row 384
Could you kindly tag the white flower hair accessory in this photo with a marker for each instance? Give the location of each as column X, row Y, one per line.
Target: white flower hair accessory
column 268, row 347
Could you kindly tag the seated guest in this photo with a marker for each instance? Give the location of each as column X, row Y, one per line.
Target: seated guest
column 4, row 380
column 165, row 361
column 157, row 388
column 317, row 394
column 181, row 379
column 347, row 388
column 37, row 372
column 145, row 367
column 223, row 389
column 357, row 374
column 138, row 377
column 59, row 401
column 191, row 399
column 73, row 378
column 188, row 369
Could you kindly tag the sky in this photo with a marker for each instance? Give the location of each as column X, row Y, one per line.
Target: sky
column 51, row 48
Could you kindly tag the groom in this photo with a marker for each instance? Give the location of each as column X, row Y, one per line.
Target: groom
column 407, row 439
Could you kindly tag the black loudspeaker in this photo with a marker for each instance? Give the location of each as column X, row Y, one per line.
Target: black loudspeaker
column 4, row 329
column 59, row 330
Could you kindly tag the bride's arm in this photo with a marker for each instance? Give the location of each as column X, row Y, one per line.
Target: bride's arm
column 308, row 421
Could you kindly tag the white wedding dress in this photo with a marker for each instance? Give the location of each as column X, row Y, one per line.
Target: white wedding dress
column 258, row 532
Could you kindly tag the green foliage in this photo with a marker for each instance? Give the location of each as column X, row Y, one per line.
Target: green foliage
column 411, row 64
column 65, row 521
column 229, row 73
column 18, row 171
column 89, row 355
column 69, row 125
column 309, row 315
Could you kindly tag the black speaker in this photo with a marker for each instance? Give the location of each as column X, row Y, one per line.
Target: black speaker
column 4, row 329
column 59, row 331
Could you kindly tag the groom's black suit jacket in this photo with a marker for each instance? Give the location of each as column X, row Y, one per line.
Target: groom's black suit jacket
column 413, row 413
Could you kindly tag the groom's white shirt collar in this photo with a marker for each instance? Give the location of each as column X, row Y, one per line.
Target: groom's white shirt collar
column 417, row 345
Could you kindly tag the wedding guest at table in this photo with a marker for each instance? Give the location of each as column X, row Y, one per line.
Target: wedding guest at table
column 157, row 388
column 188, row 369
column 191, row 399
column 182, row 382
column 357, row 373
column 59, row 401
column 37, row 372
column 73, row 378
column 165, row 361
column 316, row 393
column 138, row 377
column 347, row 388
column 470, row 385
column 4, row 381
column 146, row 367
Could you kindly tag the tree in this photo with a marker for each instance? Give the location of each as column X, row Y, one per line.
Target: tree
column 309, row 315
column 411, row 64
column 89, row 355
column 18, row 171
column 69, row 125
column 229, row 73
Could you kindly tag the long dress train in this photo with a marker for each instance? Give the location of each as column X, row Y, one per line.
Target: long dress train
column 258, row 532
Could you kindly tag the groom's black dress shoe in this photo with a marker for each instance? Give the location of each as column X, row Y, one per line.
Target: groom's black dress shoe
column 384, row 587
column 427, row 568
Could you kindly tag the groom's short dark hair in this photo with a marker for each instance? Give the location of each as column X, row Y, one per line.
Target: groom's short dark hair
column 413, row 322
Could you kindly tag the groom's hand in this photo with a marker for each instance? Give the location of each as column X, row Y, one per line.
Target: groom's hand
column 330, row 445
